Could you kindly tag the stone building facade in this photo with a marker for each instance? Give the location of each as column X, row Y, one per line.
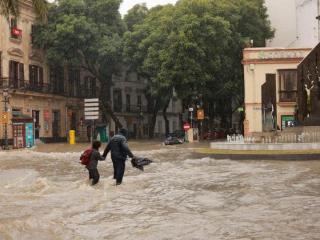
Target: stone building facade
column 130, row 106
column 35, row 91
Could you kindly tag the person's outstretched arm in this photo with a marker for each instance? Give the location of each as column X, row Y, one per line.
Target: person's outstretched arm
column 106, row 150
column 126, row 148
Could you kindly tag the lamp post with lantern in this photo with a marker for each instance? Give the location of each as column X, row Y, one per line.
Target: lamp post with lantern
column 5, row 94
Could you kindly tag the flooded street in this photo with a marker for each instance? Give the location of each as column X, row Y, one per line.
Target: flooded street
column 179, row 196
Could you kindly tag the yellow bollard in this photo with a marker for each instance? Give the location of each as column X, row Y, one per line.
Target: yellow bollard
column 72, row 137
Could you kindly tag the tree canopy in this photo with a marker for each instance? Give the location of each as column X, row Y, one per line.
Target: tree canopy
column 85, row 34
column 195, row 47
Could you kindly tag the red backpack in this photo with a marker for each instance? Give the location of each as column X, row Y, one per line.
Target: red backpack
column 85, row 157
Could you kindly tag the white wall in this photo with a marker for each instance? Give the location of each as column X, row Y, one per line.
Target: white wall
column 307, row 24
column 295, row 23
column 282, row 16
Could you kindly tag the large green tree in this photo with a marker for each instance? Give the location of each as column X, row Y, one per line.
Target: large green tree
column 11, row 7
column 143, row 51
column 196, row 48
column 85, row 34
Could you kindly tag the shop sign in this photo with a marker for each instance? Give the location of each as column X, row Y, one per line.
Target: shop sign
column 46, row 115
column 287, row 121
column 281, row 54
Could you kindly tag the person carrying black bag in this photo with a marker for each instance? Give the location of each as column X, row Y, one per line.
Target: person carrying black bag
column 119, row 152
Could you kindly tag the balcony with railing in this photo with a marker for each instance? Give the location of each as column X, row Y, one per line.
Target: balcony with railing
column 124, row 108
column 46, row 88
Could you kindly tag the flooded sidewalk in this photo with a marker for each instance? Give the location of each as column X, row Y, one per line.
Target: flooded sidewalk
column 45, row 194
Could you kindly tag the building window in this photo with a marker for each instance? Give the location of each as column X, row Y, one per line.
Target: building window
column 35, row 76
column 117, row 100
column 16, row 112
column 128, row 102
column 32, row 33
column 74, row 82
column 16, row 74
column 287, row 85
column 139, row 101
column 90, row 86
column 57, row 80
column 15, row 32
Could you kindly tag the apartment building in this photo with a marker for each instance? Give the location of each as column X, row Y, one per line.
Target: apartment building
column 130, row 106
column 48, row 98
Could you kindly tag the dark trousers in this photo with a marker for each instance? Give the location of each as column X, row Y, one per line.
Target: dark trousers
column 119, row 166
column 94, row 175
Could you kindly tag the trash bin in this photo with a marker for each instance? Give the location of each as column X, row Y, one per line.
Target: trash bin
column 101, row 131
column 72, row 137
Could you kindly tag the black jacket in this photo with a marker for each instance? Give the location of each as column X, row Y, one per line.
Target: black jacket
column 94, row 158
column 118, row 147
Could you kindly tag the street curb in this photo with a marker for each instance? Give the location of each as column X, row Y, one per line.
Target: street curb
column 276, row 157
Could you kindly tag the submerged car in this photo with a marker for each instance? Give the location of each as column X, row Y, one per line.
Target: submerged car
column 173, row 140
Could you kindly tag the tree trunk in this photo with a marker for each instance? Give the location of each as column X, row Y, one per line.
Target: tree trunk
column 105, row 97
column 153, row 118
column 166, row 121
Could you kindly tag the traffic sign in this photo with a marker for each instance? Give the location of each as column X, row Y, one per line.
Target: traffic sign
column 91, row 108
column 186, row 126
column 92, row 117
column 4, row 117
column 88, row 100
column 200, row 114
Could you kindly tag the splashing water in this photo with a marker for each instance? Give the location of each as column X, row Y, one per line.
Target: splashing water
column 179, row 196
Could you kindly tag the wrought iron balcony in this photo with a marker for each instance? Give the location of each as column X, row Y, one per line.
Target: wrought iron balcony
column 124, row 108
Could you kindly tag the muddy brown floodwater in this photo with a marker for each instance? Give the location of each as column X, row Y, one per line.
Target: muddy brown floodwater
column 179, row 196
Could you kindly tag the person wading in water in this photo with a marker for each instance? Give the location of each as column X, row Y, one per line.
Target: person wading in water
column 119, row 152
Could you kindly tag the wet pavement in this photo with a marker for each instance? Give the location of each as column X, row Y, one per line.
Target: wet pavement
column 45, row 194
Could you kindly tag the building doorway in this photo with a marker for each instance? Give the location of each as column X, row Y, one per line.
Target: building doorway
column 73, row 125
column 269, row 103
column 56, row 124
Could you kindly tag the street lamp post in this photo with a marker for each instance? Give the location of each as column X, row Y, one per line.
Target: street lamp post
column 5, row 94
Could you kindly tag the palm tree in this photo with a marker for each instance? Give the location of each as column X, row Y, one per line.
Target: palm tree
column 11, row 7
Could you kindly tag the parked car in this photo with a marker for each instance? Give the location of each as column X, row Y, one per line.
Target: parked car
column 177, row 133
column 173, row 140
column 217, row 133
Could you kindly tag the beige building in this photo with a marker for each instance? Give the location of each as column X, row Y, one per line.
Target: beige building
column 36, row 93
column 270, row 79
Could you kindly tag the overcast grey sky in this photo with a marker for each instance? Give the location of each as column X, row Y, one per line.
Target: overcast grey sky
column 127, row 4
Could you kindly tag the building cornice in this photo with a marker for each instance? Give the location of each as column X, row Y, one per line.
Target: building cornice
column 275, row 49
column 273, row 61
